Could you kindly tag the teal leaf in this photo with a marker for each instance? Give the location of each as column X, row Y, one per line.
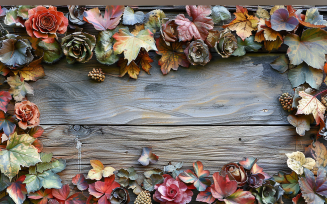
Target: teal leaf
column 305, row 74
column 247, row 45
column 280, row 64
column 220, row 13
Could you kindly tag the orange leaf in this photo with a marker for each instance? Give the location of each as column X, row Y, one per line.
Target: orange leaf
column 132, row 69
column 144, row 60
column 32, row 71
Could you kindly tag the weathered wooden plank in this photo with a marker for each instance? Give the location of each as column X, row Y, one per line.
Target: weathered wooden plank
column 237, row 90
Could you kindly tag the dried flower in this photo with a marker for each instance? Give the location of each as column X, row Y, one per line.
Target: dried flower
column 235, row 172
column 45, row 23
column 172, row 191
column 15, row 52
column 227, row 44
column 78, row 47
column 269, row 193
column 119, row 196
column 198, row 53
column 169, row 31
column 97, row 75
column 296, row 161
column 256, row 180
column 75, row 14
column 28, row 114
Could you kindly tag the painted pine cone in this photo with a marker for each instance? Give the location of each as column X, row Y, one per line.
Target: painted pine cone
column 15, row 52
column 286, row 101
column 227, row 44
column 78, row 47
column 198, row 53
column 97, row 75
column 143, row 198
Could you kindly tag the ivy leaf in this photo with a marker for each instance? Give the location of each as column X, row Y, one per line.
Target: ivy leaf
column 313, row 19
column 153, row 20
column 42, row 195
column 317, row 152
column 104, row 48
column 19, row 88
column 99, row 170
column 172, row 56
column 131, row 18
column 198, row 29
column 17, row 190
column 311, row 47
column 147, row 157
column 311, row 105
column 243, row 23
column 52, row 51
column 19, row 152
column 246, row 45
column 298, row 199
column 5, row 97
column 79, row 181
column 132, row 69
column 312, row 188
column 131, row 45
column 220, row 13
column 12, row 19
column 198, row 179
column 205, row 196
column 280, row 64
column 305, row 74
column 62, row 196
column 281, row 20
column 32, row 71
column 7, row 123
column 4, row 182
column 301, row 122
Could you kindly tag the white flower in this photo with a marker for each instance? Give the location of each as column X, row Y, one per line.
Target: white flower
column 296, row 161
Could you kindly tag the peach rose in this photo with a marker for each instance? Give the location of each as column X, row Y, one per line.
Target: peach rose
column 28, row 114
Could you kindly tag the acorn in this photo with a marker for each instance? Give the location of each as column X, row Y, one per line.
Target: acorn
column 286, row 100
column 97, row 75
column 143, row 198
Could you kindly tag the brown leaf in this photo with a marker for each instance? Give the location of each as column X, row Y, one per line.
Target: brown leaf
column 137, row 29
column 32, row 71
column 318, row 152
column 132, row 69
column 144, row 60
column 4, row 70
column 301, row 122
column 212, row 38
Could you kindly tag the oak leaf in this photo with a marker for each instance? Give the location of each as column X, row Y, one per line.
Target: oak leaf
column 198, row 28
column 99, row 170
column 131, row 45
column 172, row 56
column 243, row 23
column 19, row 88
column 109, row 21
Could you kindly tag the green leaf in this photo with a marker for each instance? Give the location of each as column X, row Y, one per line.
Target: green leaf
column 12, row 19
column 220, row 13
column 153, row 20
column 311, row 47
column 19, row 152
column 152, row 181
column 4, row 182
column 23, row 11
column 247, row 45
column 19, row 88
column 52, row 51
column 312, row 16
column 304, row 73
column 104, row 48
column 280, row 64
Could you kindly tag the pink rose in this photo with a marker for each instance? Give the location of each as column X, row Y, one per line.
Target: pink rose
column 172, row 191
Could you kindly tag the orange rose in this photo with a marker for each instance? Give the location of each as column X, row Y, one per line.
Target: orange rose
column 45, row 23
column 28, row 114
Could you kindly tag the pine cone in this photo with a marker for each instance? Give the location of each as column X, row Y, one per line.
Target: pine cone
column 324, row 100
column 286, row 100
column 143, row 198
column 97, row 75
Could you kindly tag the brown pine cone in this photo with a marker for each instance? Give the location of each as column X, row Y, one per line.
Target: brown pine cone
column 143, row 198
column 286, row 100
column 97, row 75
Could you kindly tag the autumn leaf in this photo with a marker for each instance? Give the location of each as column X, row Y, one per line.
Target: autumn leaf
column 5, row 97
column 137, row 29
column 147, row 157
column 17, row 190
column 305, row 74
column 102, row 190
column 318, row 152
column 52, row 52
column 19, row 88
column 265, row 32
column 99, row 170
column 243, row 23
column 4, row 70
column 32, row 71
column 12, row 19
column 36, row 131
column 131, row 18
column 205, row 196
column 298, row 199
column 281, row 20
column 273, row 45
column 248, row 44
column 262, row 13
column 301, row 122
column 109, row 21
column 311, row 47
column 313, row 19
column 153, row 20
column 42, row 195
column 3, row 11
column 311, row 105
column 198, row 179
column 172, row 56
column 289, row 183
column 7, row 123
column 132, row 69
column 198, row 28
column 80, row 182
column 62, row 195
column 144, row 60
column 131, row 45
column 280, row 64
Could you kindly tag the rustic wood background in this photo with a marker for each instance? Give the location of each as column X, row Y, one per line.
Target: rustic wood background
column 217, row 114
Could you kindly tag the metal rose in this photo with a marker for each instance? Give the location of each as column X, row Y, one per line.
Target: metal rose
column 119, row 196
column 256, row 180
column 269, row 193
column 28, row 114
column 169, row 31
column 78, row 47
column 226, row 44
column 75, row 14
column 15, row 52
column 197, row 53
column 45, row 23
column 235, row 172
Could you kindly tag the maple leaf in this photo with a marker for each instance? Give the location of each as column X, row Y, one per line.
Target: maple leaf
column 304, row 73
column 147, row 157
column 42, row 195
column 301, row 122
column 132, row 69
column 198, row 29
column 5, row 97
column 109, row 21
column 79, row 181
column 205, row 196
column 131, row 18
column 243, row 23
column 17, row 190
column 198, row 179
column 131, row 45
column 7, row 123
column 311, row 105
column 102, row 190
column 19, row 88
column 312, row 188
column 99, row 170
column 281, row 20
column 62, row 196
column 311, row 47
column 172, row 56
column 144, row 60
column 33, row 71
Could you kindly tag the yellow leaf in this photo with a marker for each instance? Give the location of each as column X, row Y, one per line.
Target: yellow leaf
column 99, row 170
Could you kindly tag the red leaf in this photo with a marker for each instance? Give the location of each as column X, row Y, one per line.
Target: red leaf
column 36, row 132
column 102, row 190
column 5, row 97
column 43, row 195
column 109, row 21
column 79, row 181
column 222, row 186
column 281, row 20
column 61, row 194
column 298, row 199
column 147, row 156
column 198, row 29
column 17, row 190
column 38, row 144
column 205, row 196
